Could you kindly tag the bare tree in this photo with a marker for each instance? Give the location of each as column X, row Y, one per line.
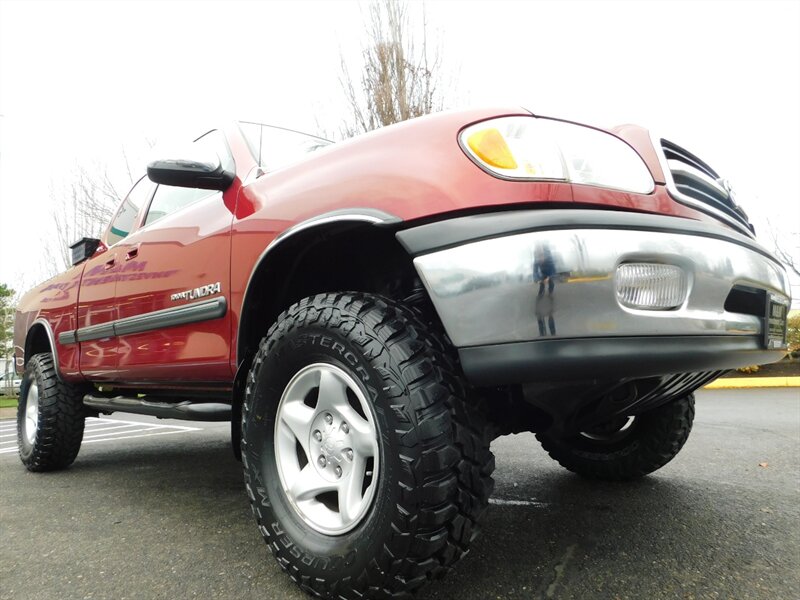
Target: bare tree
column 786, row 251
column 400, row 77
column 791, row 261
column 84, row 204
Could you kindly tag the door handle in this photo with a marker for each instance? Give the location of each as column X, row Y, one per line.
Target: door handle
column 110, row 263
column 132, row 253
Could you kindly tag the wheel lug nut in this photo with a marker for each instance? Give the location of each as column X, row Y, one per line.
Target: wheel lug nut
column 348, row 454
column 328, row 418
column 322, row 461
column 345, row 428
column 338, row 471
column 318, row 435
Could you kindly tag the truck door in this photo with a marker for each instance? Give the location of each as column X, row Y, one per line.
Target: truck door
column 173, row 319
column 97, row 310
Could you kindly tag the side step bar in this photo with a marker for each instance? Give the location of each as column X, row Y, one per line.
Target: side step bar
column 186, row 411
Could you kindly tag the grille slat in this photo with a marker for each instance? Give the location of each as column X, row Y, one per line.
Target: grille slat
column 675, row 152
column 708, row 198
column 694, row 179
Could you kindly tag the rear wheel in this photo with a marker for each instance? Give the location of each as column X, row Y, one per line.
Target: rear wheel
column 366, row 468
column 626, row 447
column 50, row 417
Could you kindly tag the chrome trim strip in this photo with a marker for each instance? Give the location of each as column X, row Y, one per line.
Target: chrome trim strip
column 369, row 216
column 688, row 200
column 50, row 337
column 204, row 310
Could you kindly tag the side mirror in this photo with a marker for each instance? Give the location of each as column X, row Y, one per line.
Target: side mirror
column 191, row 167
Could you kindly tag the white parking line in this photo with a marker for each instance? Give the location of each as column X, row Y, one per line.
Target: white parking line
column 140, row 423
column 130, row 437
column 125, row 432
column 109, row 428
column 503, row 502
column 97, row 421
column 102, row 430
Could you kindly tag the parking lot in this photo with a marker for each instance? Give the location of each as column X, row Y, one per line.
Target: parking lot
column 157, row 509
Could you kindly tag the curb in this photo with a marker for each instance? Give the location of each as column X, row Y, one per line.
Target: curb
column 753, row 382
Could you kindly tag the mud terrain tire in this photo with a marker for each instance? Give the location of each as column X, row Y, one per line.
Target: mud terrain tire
column 434, row 480
column 50, row 417
column 655, row 438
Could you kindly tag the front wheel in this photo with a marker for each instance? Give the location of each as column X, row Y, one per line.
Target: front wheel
column 626, row 447
column 50, row 417
column 366, row 467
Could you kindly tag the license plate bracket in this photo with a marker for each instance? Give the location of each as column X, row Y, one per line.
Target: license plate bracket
column 777, row 310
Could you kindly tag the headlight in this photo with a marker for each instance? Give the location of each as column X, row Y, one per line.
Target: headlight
column 530, row 148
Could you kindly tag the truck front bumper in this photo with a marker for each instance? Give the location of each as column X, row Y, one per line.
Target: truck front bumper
column 536, row 295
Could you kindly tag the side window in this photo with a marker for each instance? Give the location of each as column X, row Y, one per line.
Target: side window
column 252, row 135
column 169, row 199
column 125, row 219
column 274, row 147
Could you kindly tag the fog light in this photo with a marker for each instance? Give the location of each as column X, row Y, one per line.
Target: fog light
column 650, row 286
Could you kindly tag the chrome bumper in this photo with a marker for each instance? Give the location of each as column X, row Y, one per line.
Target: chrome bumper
column 491, row 292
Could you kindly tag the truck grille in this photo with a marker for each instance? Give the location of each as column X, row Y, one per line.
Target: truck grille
column 699, row 185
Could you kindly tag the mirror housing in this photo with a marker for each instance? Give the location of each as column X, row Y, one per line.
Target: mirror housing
column 191, row 167
column 83, row 249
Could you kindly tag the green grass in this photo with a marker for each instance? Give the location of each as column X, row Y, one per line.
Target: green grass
column 8, row 402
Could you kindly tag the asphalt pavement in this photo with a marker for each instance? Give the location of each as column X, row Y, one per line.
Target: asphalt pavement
column 156, row 509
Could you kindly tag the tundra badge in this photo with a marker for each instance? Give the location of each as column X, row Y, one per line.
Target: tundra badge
column 198, row 292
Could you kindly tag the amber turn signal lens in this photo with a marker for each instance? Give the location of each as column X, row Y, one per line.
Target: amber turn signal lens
column 490, row 146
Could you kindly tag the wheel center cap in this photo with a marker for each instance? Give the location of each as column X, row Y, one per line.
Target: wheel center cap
column 326, row 453
column 330, row 445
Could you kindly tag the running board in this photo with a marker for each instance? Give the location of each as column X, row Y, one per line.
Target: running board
column 186, row 411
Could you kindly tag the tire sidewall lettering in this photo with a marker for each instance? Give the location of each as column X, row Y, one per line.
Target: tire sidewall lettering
column 326, row 341
column 284, row 359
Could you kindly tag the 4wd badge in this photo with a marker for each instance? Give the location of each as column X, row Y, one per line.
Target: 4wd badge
column 198, row 292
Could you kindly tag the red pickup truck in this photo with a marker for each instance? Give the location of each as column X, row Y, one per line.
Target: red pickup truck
column 369, row 315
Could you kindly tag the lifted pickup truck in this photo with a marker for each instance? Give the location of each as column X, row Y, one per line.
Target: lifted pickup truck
column 369, row 315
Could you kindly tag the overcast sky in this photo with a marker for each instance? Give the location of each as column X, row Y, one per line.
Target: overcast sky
column 81, row 80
